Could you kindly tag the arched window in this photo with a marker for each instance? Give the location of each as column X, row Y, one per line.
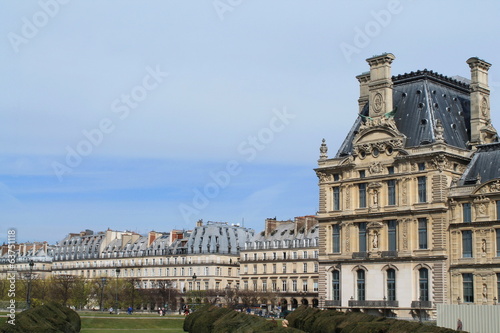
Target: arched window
column 423, row 284
column 336, row 285
column 361, row 284
column 391, row 284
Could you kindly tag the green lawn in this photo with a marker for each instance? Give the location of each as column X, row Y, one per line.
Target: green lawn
column 125, row 324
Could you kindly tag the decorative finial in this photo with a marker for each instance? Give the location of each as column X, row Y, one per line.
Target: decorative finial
column 323, row 150
column 439, row 130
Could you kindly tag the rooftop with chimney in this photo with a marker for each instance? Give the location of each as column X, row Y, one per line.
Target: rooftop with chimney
column 424, row 107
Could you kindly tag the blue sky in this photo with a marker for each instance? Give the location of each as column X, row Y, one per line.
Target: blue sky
column 150, row 115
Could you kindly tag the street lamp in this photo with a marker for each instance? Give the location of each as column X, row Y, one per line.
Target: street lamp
column 103, row 283
column 116, row 298
column 28, row 294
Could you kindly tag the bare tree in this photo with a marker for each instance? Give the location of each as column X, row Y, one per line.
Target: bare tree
column 61, row 288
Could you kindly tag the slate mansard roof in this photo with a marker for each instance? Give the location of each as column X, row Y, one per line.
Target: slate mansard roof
column 218, row 237
column 484, row 166
column 421, row 98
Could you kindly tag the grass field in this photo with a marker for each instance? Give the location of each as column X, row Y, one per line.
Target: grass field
column 126, row 324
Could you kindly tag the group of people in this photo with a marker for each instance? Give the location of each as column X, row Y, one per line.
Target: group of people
column 129, row 310
column 162, row 311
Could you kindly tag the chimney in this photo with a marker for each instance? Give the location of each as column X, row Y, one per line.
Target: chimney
column 199, row 223
column 479, row 102
column 380, row 84
column 364, row 79
column 152, row 236
column 270, row 226
column 125, row 239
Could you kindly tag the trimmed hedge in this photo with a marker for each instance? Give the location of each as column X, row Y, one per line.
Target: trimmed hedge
column 329, row 321
column 49, row 318
column 213, row 319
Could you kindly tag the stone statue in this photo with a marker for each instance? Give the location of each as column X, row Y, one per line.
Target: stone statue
column 375, row 240
column 323, row 150
column 439, row 130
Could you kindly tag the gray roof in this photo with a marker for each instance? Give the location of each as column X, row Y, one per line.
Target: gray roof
column 218, row 237
column 421, row 98
column 484, row 166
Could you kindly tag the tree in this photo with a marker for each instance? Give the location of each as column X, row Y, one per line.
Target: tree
column 81, row 292
column 61, row 288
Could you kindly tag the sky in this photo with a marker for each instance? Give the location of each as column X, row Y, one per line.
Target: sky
column 150, row 115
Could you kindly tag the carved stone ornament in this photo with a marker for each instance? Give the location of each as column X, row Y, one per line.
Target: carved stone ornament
column 484, row 107
column 376, row 148
column 405, row 233
column 404, row 193
column 378, row 102
column 323, row 150
column 481, row 206
column 348, row 196
column 439, row 130
column 380, row 122
column 323, row 177
column 348, row 238
column 440, row 162
column 375, row 225
column 495, row 187
column 375, row 167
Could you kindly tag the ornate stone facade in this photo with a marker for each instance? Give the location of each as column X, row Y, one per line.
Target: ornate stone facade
column 388, row 211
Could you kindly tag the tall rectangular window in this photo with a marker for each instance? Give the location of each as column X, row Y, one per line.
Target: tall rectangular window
column 467, row 212
column 498, row 244
column 283, row 285
column 423, row 282
column 361, row 285
column 390, row 170
column 336, row 238
column 391, row 192
column 421, row 166
column 391, row 228
column 422, row 233
column 294, row 285
column 498, row 210
column 362, row 174
column 336, row 285
column 422, row 189
column 362, row 236
column 362, row 195
column 467, row 243
column 498, row 286
column 468, row 287
column 391, row 284
column 336, row 198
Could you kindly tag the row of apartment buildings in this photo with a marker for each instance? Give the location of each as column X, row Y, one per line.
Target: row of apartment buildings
column 213, row 256
column 408, row 217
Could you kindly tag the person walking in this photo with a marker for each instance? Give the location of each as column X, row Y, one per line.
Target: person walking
column 459, row 325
